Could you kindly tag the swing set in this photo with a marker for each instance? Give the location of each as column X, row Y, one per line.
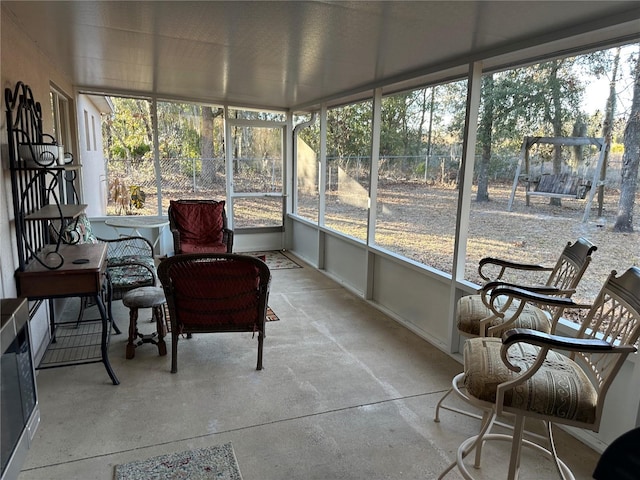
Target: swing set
column 567, row 184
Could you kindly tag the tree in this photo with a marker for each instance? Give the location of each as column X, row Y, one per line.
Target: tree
column 395, row 128
column 207, row 147
column 349, row 130
column 563, row 89
column 128, row 131
column 485, row 129
column 630, row 160
column 607, row 126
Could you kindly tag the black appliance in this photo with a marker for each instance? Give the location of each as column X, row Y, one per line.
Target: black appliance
column 20, row 414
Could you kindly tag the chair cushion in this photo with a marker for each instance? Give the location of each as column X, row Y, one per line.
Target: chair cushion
column 199, row 223
column 471, row 310
column 129, row 273
column 187, row 247
column 78, row 232
column 559, row 389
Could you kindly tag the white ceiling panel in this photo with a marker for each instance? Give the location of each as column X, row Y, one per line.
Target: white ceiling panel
column 286, row 54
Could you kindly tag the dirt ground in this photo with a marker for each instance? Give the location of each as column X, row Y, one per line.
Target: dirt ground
column 529, row 234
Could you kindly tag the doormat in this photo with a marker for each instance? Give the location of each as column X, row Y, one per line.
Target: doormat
column 217, row 462
column 275, row 259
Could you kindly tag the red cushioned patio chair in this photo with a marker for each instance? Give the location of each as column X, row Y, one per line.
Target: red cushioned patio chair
column 215, row 292
column 199, row 226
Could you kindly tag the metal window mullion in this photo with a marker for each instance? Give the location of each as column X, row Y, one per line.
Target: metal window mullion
column 228, row 160
column 156, row 152
column 373, row 172
column 322, row 166
column 474, row 87
column 286, row 160
column 373, row 188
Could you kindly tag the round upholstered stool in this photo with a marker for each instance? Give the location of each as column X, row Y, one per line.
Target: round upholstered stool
column 145, row 297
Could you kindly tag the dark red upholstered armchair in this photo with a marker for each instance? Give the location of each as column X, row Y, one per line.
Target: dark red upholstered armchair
column 215, row 292
column 199, row 226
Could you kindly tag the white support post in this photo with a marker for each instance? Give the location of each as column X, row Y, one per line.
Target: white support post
column 228, row 152
column 373, row 187
column 474, row 85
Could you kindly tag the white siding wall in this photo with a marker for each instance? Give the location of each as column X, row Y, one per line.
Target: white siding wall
column 90, row 142
column 23, row 61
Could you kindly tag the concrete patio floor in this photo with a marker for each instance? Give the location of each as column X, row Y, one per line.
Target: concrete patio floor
column 346, row 393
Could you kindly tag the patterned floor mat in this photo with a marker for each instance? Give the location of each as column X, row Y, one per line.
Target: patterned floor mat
column 275, row 259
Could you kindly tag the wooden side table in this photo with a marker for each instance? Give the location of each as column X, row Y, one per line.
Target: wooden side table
column 145, row 297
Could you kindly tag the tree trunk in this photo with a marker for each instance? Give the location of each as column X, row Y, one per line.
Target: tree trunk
column 556, row 122
column 429, row 133
column 206, row 148
column 423, row 113
column 577, row 154
column 630, row 161
column 607, row 127
column 484, row 136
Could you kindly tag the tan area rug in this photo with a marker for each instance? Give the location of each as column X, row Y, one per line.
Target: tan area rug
column 275, row 259
column 217, row 462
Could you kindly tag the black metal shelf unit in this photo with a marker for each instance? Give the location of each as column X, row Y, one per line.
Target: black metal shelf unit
column 44, row 192
column 45, row 202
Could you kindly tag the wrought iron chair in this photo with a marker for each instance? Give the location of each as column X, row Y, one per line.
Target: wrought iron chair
column 199, row 226
column 477, row 316
column 130, row 265
column 130, row 262
column 531, row 374
column 211, row 292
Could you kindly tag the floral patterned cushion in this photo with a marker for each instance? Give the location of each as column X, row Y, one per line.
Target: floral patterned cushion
column 78, row 232
column 131, row 272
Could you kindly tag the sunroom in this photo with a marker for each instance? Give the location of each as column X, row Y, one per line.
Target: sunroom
column 346, row 134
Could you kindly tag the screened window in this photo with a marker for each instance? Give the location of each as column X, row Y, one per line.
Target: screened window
column 129, row 164
column 578, row 92
column 258, row 155
column 307, row 172
column 191, row 152
column 420, row 154
column 348, row 168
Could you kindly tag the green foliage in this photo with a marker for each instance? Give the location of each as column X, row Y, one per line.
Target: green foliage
column 311, row 136
column 128, row 133
column 349, row 130
column 179, row 126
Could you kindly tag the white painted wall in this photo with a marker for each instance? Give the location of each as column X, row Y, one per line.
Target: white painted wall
column 303, row 237
column 94, row 185
column 23, row 61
